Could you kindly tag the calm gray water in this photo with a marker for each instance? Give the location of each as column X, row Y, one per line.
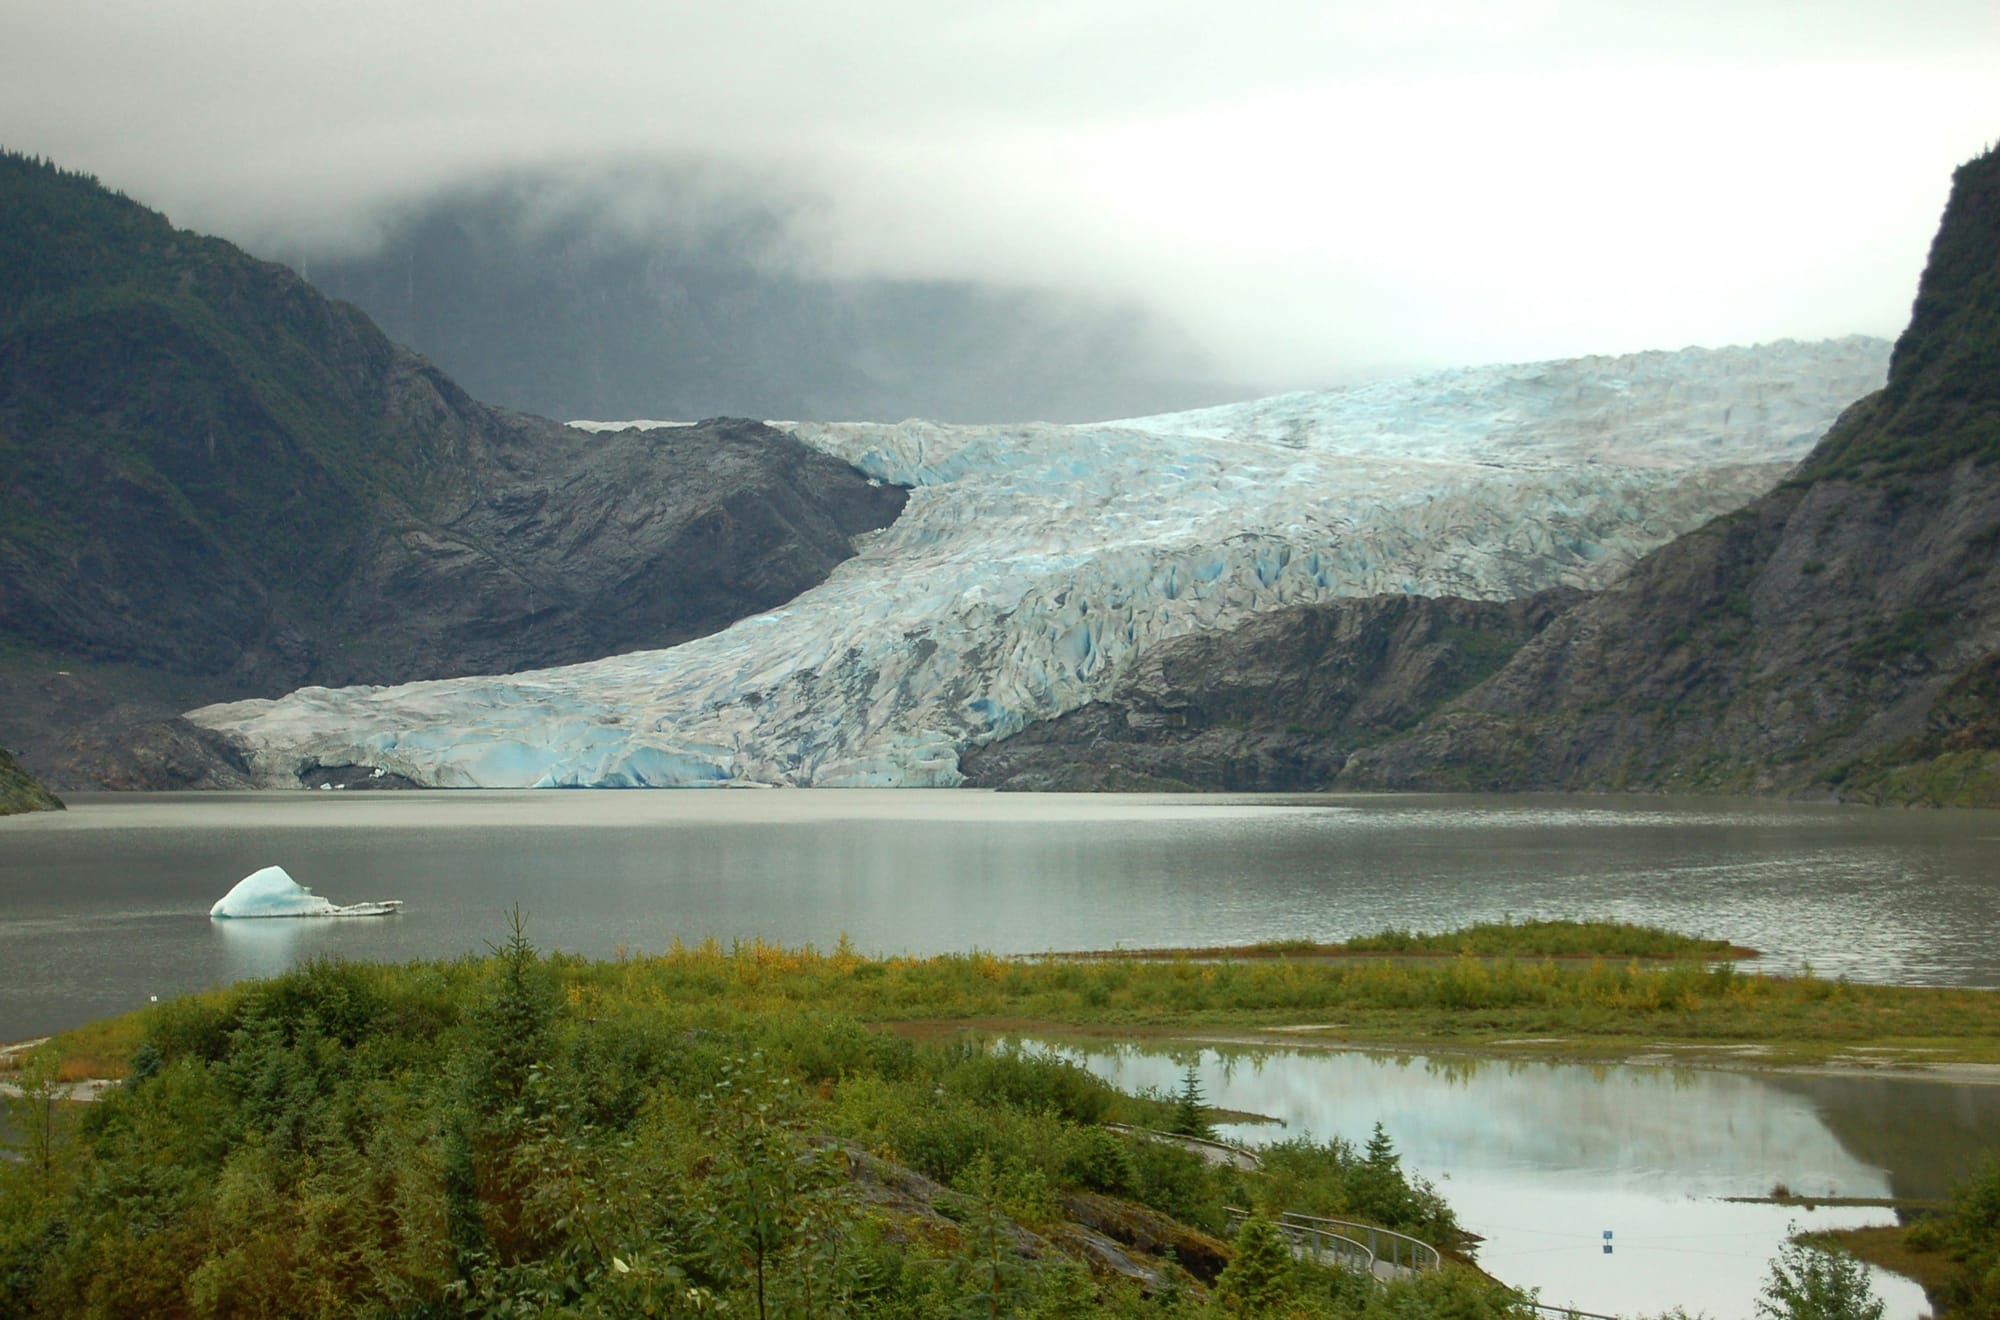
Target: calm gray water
column 106, row 904
column 1543, row 1160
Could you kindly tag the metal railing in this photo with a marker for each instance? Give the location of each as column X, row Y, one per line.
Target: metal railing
column 1322, row 1245
column 1399, row 1251
column 1385, row 1244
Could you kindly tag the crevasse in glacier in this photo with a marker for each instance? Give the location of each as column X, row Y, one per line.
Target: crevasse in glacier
column 1034, row 561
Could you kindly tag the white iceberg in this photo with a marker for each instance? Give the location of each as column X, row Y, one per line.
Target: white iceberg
column 272, row 892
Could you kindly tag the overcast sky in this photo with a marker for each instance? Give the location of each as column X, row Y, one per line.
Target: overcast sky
column 1311, row 188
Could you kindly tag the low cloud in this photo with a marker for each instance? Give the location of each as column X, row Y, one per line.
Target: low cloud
column 1311, row 189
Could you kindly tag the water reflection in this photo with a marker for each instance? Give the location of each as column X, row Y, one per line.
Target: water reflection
column 274, row 945
column 1543, row 1159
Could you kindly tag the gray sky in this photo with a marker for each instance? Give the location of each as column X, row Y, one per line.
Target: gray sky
column 1311, row 188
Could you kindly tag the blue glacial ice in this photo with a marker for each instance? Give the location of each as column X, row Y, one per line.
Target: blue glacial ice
column 1034, row 562
column 271, row 892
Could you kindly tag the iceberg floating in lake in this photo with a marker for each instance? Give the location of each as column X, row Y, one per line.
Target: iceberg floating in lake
column 272, row 892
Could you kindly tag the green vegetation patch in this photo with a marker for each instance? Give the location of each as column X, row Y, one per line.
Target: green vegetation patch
column 1552, row 938
column 20, row 791
column 1954, row 762
column 1545, row 938
column 1954, row 1253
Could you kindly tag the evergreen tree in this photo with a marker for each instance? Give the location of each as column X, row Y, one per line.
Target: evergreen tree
column 1262, row 1276
column 1190, row 1118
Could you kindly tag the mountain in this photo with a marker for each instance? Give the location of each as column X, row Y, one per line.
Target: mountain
column 1839, row 636
column 1033, row 564
column 622, row 297
column 220, row 482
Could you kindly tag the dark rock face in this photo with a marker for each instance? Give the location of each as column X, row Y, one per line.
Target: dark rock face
column 1788, row 647
column 221, row 485
column 1274, row 705
column 1840, row 636
column 574, row 546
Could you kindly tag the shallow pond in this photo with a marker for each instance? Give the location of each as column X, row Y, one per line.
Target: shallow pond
column 1544, row 1160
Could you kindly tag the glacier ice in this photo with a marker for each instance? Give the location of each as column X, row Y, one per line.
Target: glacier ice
column 271, row 892
column 1033, row 562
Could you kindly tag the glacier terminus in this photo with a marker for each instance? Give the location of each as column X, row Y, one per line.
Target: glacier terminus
column 1034, row 562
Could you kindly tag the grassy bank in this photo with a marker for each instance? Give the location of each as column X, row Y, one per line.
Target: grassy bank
column 1488, row 939
column 1690, row 1007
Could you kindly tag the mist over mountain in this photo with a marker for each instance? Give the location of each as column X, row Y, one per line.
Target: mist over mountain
column 612, row 296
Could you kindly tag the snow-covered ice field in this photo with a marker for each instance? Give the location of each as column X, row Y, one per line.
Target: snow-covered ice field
column 1033, row 562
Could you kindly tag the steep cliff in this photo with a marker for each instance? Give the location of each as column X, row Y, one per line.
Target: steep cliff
column 220, row 479
column 1839, row 636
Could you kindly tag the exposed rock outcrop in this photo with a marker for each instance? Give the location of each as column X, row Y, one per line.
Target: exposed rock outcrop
column 1276, row 704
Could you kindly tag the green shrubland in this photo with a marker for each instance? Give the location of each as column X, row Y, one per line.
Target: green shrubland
column 535, row 1135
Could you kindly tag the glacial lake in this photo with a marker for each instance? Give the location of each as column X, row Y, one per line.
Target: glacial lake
column 106, row 905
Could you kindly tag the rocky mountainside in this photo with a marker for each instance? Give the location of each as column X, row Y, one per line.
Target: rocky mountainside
column 1273, row 705
column 1839, row 636
column 220, row 483
column 643, row 296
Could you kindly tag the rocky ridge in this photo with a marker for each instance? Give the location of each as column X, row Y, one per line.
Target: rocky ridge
column 1275, row 705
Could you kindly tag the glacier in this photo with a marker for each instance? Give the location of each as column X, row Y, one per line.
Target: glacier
column 1033, row 562
column 271, row 892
